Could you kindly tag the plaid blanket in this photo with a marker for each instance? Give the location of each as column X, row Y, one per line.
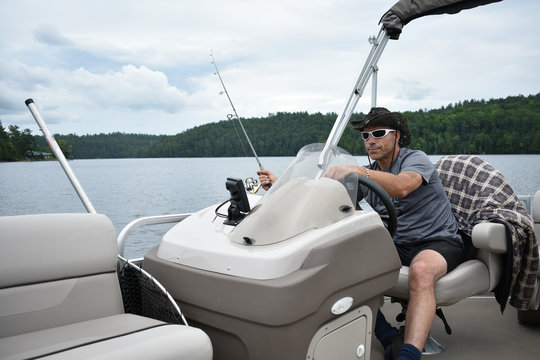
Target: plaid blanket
column 479, row 193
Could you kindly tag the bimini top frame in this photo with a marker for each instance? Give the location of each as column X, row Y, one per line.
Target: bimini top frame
column 392, row 22
column 370, row 68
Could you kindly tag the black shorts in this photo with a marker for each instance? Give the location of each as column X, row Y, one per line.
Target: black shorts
column 451, row 250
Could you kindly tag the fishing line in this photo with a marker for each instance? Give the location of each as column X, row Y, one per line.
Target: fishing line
column 230, row 116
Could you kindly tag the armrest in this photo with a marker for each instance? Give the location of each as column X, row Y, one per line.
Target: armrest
column 490, row 237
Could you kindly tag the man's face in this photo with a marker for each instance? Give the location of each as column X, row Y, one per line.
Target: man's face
column 379, row 148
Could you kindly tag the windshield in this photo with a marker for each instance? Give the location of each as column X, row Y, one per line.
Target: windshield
column 305, row 166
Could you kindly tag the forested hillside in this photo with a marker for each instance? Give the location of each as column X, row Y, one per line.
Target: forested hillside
column 497, row 126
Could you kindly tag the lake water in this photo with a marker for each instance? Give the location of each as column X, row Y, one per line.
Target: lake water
column 125, row 189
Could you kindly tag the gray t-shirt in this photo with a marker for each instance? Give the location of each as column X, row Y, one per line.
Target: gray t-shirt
column 423, row 214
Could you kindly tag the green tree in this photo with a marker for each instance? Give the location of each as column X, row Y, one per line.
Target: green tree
column 22, row 140
column 7, row 150
column 65, row 148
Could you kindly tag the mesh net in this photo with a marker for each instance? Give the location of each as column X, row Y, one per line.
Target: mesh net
column 143, row 297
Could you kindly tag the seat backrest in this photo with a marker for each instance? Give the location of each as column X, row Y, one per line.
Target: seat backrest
column 474, row 188
column 56, row 269
column 479, row 193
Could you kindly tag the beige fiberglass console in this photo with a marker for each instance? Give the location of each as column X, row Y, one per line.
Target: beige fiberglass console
column 300, row 276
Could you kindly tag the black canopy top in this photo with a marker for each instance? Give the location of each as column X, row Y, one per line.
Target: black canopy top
column 405, row 11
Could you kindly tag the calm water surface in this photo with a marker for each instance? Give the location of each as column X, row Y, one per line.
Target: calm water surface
column 125, row 189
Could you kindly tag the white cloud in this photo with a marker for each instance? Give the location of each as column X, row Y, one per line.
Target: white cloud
column 49, row 34
column 131, row 88
column 144, row 66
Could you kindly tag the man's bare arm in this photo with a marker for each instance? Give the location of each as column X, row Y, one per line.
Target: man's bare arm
column 397, row 186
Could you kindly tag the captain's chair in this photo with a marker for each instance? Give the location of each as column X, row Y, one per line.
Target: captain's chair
column 60, row 296
column 474, row 189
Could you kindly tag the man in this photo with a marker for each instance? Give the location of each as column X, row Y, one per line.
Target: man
column 426, row 239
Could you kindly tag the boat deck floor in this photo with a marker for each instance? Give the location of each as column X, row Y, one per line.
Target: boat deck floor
column 479, row 331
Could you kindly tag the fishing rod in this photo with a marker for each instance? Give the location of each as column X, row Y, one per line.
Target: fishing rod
column 252, row 182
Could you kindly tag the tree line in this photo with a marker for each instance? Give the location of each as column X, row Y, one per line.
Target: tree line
column 17, row 145
column 497, row 126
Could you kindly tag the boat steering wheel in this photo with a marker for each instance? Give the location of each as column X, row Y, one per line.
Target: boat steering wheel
column 383, row 195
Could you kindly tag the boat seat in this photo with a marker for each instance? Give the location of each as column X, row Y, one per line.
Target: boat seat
column 464, row 179
column 109, row 337
column 60, row 295
column 473, row 277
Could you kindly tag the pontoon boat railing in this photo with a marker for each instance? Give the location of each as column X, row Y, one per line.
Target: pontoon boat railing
column 148, row 220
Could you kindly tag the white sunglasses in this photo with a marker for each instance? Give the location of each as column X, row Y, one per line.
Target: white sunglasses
column 377, row 134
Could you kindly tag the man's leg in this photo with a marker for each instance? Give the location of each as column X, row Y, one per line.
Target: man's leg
column 385, row 333
column 425, row 269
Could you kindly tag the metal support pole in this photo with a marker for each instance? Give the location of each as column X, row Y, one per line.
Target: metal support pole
column 378, row 45
column 60, row 156
column 375, row 69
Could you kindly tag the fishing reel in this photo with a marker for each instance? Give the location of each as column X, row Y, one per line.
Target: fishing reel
column 252, row 185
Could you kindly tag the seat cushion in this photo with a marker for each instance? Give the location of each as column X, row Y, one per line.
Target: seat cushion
column 34, row 307
column 111, row 337
column 468, row 279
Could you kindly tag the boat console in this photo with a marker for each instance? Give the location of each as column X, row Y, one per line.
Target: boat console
column 300, row 276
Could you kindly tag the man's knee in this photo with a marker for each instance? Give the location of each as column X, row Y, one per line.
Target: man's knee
column 421, row 275
column 426, row 269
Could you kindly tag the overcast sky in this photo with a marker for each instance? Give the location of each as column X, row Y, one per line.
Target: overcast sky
column 143, row 66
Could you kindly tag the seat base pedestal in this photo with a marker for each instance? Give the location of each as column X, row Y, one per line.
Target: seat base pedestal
column 433, row 346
